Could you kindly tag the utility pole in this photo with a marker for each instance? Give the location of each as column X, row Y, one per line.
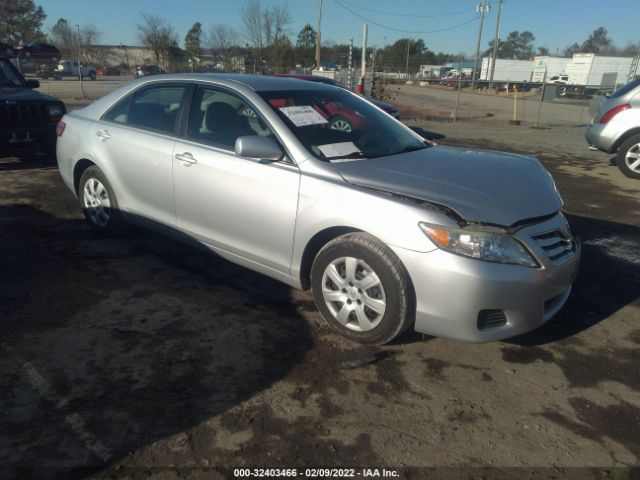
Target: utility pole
column 363, row 66
column 80, row 61
column 482, row 9
column 406, row 71
column 350, row 64
column 318, row 35
column 496, row 41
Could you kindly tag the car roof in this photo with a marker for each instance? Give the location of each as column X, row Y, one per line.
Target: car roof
column 311, row 78
column 258, row 83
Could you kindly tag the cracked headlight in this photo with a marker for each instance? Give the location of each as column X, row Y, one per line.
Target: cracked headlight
column 484, row 245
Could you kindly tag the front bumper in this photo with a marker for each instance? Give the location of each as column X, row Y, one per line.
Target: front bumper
column 452, row 290
column 16, row 140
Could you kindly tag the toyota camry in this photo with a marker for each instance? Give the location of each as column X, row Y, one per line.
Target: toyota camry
column 388, row 230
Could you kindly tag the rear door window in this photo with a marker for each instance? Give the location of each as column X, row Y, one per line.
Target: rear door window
column 156, row 108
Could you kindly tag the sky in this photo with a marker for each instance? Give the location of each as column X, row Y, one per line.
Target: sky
column 449, row 26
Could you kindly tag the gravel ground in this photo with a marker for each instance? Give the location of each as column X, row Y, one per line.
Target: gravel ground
column 138, row 357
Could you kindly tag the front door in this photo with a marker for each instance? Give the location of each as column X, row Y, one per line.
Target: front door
column 241, row 205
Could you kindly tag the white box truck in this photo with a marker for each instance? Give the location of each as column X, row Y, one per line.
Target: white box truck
column 552, row 66
column 506, row 70
column 591, row 70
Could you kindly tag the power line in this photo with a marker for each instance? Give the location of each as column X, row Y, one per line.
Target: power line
column 393, row 14
column 338, row 2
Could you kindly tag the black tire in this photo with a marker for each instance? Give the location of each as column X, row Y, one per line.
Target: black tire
column 562, row 92
column 340, row 123
column 92, row 75
column 398, row 291
column 114, row 224
column 631, row 143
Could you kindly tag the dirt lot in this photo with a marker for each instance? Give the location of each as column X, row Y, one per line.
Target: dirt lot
column 138, row 357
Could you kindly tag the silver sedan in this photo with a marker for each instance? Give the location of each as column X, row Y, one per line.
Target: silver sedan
column 388, row 230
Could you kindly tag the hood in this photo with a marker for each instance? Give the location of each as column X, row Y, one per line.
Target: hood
column 479, row 185
column 23, row 94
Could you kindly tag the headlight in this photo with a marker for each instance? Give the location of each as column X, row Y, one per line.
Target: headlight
column 490, row 246
column 55, row 110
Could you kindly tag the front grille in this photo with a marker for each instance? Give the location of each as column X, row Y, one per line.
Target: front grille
column 491, row 319
column 23, row 114
column 558, row 244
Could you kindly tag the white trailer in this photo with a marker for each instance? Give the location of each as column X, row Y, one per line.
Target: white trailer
column 552, row 66
column 591, row 70
column 506, row 70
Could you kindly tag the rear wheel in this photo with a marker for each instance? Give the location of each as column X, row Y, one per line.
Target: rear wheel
column 362, row 290
column 628, row 158
column 98, row 202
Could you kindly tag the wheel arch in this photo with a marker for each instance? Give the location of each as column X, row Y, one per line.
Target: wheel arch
column 623, row 138
column 314, row 245
column 78, row 170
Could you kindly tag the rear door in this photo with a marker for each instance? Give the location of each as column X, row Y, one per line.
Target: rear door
column 134, row 141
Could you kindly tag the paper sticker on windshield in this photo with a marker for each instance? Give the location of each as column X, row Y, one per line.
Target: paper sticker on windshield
column 303, row 115
column 341, row 149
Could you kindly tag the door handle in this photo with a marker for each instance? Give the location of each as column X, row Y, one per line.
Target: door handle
column 103, row 134
column 186, row 157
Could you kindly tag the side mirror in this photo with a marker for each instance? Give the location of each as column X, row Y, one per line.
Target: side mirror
column 33, row 84
column 255, row 146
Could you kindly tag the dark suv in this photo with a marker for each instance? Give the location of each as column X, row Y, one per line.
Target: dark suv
column 28, row 119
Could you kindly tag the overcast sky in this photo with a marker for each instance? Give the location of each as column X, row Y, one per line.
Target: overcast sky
column 555, row 24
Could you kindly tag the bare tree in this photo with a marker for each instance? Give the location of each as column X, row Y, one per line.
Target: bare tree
column 156, row 33
column 223, row 39
column 252, row 18
column 92, row 53
column 279, row 18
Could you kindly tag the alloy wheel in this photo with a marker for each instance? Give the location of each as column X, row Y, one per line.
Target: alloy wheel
column 96, row 202
column 632, row 158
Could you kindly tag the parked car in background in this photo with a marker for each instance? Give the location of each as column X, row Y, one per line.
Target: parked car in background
column 387, row 107
column 147, row 70
column 388, row 230
column 615, row 128
column 71, row 68
column 108, row 71
column 559, row 79
column 28, row 118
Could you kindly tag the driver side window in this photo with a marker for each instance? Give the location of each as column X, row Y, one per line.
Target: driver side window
column 219, row 118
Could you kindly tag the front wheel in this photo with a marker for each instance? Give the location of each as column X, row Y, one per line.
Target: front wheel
column 98, row 202
column 362, row 290
column 92, row 75
column 628, row 158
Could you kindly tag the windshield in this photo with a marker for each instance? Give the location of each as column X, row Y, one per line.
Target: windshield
column 337, row 125
column 9, row 75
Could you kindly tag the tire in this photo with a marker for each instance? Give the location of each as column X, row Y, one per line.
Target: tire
column 92, row 75
column 340, row 123
column 345, row 307
column 628, row 157
column 562, row 92
column 98, row 202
